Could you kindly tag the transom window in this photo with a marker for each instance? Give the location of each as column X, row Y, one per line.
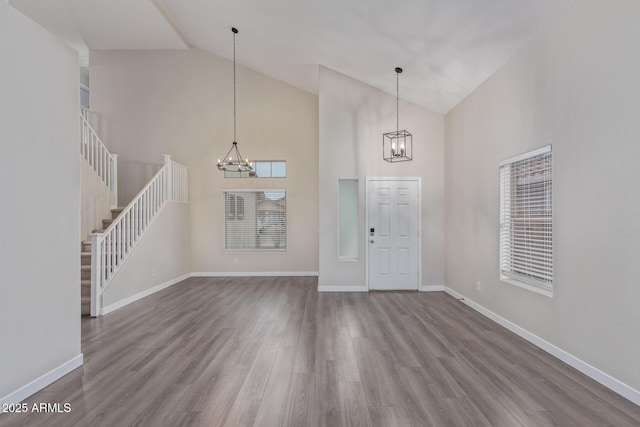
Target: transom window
column 262, row 169
column 526, row 219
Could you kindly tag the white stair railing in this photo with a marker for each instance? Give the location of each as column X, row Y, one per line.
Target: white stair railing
column 93, row 150
column 110, row 249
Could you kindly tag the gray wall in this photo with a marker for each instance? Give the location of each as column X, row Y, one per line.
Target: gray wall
column 575, row 87
column 40, row 209
column 96, row 200
column 150, row 103
column 163, row 255
column 353, row 117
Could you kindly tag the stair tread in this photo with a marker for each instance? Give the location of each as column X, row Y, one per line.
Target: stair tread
column 85, row 282
column 85, row 253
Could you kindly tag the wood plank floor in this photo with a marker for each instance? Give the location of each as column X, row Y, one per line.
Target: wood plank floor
column 274, row 352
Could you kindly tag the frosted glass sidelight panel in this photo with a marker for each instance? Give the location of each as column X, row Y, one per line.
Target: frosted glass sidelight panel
column 348, row 217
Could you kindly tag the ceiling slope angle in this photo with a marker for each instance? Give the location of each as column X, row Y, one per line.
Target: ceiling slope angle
column 97, row 24
column 447, row 47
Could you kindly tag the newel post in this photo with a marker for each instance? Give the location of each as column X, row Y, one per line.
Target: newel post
column 169, row 182
column 96, row 272
column 114, row 178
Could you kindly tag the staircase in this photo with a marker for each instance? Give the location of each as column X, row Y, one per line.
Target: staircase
column 102, row 257
column 105, row 165
column 85, row 265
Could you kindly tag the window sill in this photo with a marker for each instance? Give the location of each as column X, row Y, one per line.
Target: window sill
column 253, row 251
column 348, row 259
column 526, row 286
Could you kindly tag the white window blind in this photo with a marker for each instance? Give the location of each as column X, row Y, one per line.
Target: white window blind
column 526, row 208
column 255, row 220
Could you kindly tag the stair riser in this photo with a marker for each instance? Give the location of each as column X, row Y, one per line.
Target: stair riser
column 85, row 274
column 85, row 291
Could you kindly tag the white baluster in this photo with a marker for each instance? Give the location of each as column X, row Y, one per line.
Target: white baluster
column 109, row 265
column 169, row 184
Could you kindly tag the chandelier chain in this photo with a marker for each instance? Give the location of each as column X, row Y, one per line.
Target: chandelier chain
column 228, row 162
column 397, row 101
column 234, row 87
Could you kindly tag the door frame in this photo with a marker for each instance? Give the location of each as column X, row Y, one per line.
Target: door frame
column 370, row 179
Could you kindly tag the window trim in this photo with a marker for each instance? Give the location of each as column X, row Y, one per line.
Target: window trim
column 515, row 279
column 255, row 162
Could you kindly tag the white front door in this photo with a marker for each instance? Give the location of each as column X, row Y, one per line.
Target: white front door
column 392, row 232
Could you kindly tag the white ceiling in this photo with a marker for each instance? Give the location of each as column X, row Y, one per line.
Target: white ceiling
column 103, row 24
column 446, row 47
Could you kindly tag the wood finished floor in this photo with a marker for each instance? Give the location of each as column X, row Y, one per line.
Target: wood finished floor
column 272, row 352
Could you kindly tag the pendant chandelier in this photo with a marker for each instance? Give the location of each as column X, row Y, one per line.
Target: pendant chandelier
column 233, row 161
column 397, row 146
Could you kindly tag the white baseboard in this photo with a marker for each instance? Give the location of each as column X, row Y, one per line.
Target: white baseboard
column 594, row 373
column 43, row 381
column 432, row 288
column 140, row 295
column 356, row 288
column 253, row 273
column 363, row 288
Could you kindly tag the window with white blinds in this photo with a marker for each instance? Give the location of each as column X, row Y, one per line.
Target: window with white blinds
column 255, row 220
column 526, row 213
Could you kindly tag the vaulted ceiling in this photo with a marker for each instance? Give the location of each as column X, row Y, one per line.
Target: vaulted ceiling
column 447, row 47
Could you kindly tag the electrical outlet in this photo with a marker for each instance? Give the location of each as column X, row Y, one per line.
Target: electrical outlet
column 153, row 273
column 236, row 261
column 478, row 288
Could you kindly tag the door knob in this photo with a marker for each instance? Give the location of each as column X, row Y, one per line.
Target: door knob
column 371, row 240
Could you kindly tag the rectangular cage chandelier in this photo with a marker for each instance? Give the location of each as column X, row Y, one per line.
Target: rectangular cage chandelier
column 397, row 146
